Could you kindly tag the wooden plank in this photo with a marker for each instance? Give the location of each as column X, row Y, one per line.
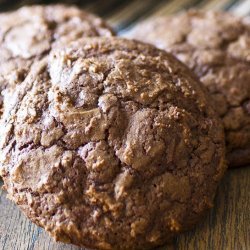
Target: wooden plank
column 241, row 8
column 226, row 226
column 214, row 5
column 124, row 19
column 132, row 12
column 173, row 6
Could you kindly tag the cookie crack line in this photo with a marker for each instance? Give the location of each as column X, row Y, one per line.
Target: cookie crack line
column 52, row 25
column 215, row 45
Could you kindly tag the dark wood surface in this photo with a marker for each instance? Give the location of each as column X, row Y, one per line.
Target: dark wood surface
column 227, row 226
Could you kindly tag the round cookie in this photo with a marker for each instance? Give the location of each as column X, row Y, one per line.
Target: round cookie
column 217, row 47
column 111, row 145
column 26, row 35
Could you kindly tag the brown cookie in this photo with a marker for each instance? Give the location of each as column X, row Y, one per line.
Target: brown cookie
column 27, row 35
column 217, row 47
column 112, row 145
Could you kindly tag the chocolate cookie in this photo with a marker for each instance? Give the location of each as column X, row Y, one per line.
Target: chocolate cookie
column 217, row 47
column 26, row 35
column 111, row 145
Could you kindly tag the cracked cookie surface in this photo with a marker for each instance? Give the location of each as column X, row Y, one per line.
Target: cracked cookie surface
column 27, row 35
column 111, row 144
column 217, row 47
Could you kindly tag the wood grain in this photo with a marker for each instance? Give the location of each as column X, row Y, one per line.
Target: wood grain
column 225, row 227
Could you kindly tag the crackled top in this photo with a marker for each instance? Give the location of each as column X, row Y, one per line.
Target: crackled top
column 217, row 47
column 29, row 33
column 111, row 144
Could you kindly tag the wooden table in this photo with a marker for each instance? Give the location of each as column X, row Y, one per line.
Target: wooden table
column 227, row 226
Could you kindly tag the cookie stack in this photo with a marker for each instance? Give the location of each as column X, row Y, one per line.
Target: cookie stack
column 111, row 143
